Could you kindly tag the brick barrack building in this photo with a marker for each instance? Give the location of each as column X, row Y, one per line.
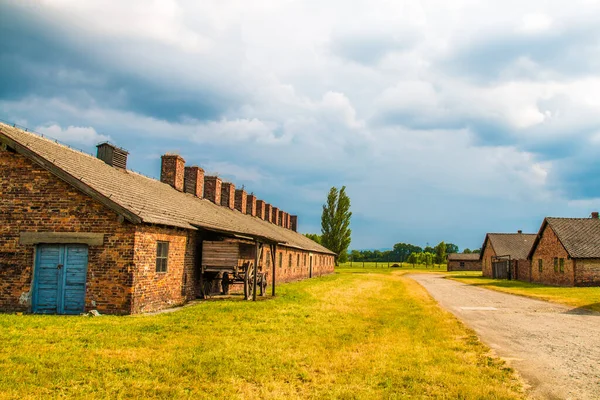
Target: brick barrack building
column 80, row 232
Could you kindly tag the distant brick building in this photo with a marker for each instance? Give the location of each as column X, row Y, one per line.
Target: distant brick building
column 504, row 255
column 81, row 232
column 463, row 262
column 566, row 252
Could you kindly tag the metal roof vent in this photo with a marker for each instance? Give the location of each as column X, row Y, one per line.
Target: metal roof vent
column 112, row 155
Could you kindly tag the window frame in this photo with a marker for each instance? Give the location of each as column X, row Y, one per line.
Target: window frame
column 540, row 265
column 162, row 256
column 280, row 259
column 555, row 260
column 562, row 265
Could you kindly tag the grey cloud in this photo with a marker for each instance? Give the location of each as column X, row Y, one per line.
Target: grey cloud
column 572, row 52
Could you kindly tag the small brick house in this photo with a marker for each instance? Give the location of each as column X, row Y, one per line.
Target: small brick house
column 504, row 255
column 80, row 232
column 464, row 262
column 566, row 252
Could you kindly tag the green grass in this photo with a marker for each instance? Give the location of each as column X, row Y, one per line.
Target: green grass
column 351, row 335
column 581, row 297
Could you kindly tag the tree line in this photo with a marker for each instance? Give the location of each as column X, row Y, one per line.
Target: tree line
column 406, row 252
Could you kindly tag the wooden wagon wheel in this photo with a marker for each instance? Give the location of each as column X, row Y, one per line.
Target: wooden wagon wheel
column 248, row 276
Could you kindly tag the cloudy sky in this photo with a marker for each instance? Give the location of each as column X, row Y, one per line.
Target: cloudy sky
column 444, row 119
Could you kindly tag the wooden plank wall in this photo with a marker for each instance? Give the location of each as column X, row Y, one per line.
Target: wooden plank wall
column 220, row 254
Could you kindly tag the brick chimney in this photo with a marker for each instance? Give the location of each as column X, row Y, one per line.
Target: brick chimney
column 172, row 170
column 288, row 221
column 294, row 223
column 241, row 199
column 112, row 155
column 519, row 231
column 228, row 195
column 251, row 205
column 281, row 216
column 212, row 189
column 194, row 181
column 595, row 214
column 268, row 212
column 275, row 214
column 260, row 209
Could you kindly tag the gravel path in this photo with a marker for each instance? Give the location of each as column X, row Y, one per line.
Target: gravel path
column 555, row 348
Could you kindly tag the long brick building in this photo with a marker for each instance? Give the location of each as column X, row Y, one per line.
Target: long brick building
column 566, row 252
column 80, row 232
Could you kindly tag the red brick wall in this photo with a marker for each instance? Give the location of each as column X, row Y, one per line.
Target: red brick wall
column 156, row 290
column 241, row 199
column 549, row 247
column 173, row 171
column 34, row 200
column 251, row 205
column 468, row 266
column 300, row 264
column 486, row 261
column 194, row 181
column 260, row 209
column 587, row 272
column 212, row 189
column 521, row 270
column 228, row 195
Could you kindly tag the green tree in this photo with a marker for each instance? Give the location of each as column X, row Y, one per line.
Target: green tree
column 335, row 223
column 476, row 251
column 440, row 253
column 412, row 259
column 356, row 255
column 467, row 251
column 451, row 248
column 314, row 237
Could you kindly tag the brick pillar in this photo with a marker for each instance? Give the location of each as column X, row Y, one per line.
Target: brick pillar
column 172, row 170
column 268, row 212
column 228, row 195
column 280, row 216
column 260, row 209
column 241, row 199
column 212, row 189
column 294, row 223
column 275, row 216
column 194, row 181
column 251, row 205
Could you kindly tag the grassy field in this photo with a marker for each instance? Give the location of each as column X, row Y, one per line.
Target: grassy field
column 584, row 297
column 357, row 334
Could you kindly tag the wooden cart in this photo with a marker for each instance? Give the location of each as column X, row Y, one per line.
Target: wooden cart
column 226, row 263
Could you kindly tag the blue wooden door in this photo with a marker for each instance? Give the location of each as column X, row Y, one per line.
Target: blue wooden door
column 60, row 277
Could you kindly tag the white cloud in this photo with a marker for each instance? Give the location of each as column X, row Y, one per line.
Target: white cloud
column 399, row 127
column 73, row 134
column 535, row 23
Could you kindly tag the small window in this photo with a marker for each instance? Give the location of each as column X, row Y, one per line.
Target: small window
column 562, row 265
column 289, row 261
column 462, row 264
column 555, row 264
column 298, row 260
column 268, row 256
column 540, row 265
column 280, row 260
column 305, row 259
column 162, row 256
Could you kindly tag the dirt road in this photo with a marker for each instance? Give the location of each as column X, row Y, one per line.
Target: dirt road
column 555, row 348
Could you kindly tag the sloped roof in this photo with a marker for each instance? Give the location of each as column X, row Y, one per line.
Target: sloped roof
column 142, row 199
column 463, row 257
column 579, row 236
column 515, row 245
